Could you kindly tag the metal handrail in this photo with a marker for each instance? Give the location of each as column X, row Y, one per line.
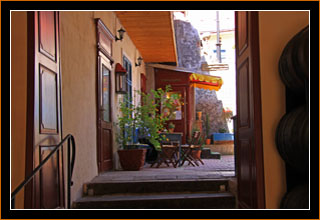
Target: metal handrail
column 70, row 139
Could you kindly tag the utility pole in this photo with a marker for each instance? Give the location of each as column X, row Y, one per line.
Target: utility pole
column 218, row 38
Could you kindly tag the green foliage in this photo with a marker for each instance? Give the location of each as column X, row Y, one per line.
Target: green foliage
column 146, row 117
column 127, row 122
column 171, row 125
column 222, row 130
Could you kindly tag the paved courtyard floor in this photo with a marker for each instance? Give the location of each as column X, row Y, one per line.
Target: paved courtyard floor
column 212, row 169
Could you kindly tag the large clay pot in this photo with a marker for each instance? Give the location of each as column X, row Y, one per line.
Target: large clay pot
column 132, row 159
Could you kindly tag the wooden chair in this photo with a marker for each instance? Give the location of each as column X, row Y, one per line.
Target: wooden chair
column 186, row 150
column 167, row 155
column 196, row 148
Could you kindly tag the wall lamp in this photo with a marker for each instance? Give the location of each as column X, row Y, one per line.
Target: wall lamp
column 139, row 61
column 121, row 82
column 121, row 32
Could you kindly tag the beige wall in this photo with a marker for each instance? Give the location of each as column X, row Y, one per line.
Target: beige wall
column 78, row 73
column 79, row 67
column 18, row 100
column 276, row 29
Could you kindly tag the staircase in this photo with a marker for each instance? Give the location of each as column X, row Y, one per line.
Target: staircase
column 160, row 194
column 207, row 154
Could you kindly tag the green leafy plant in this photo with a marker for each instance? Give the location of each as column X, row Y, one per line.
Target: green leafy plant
column 222, row 130
column 146, row 117
column 207, row 125
column 171, row 125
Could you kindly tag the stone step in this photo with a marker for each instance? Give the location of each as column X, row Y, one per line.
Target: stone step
column 207, row 154
column 181, row 200
column 100, row 187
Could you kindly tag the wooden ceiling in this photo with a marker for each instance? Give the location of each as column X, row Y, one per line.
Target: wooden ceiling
column 152, row 32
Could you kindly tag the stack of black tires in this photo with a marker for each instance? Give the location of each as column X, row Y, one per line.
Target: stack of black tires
column 292, row 135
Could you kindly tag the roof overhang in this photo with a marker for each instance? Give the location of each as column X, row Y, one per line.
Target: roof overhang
column 152, row 32
column 197, row 79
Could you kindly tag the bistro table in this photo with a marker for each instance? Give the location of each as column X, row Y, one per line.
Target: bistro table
column 171, row 137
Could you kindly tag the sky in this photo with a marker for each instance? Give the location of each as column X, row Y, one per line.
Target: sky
column 205, row 20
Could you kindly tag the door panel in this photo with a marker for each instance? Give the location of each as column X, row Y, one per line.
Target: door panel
column 47, row 34
column 249, row 152
column 48, row 176
column 244, row 99
column 44, row 112
column 48, row 101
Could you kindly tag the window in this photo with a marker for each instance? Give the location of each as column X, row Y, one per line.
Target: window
column 128, row 67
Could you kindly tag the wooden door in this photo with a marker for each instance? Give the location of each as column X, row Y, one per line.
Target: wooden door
column 104, row 114
column 179, row 118
column 104, row 101
column 250, row 172
column 44, row 111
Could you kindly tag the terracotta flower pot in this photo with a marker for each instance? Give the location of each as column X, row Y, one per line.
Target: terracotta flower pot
column 132, row 159
column 208, row 141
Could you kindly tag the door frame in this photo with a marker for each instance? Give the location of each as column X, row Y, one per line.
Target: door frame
column 257, row 165
column 104, row 52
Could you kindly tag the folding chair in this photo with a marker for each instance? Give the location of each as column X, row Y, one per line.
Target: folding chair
column 167, row 155
column 197, row 147
column 186, row 150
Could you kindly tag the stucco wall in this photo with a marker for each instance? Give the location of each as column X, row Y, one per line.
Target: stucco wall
column 188, row 45
column 79, row 71
column 276, row 29
column 214, row 109
column 18, row 100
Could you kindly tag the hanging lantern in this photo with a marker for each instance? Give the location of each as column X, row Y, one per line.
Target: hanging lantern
column 121, row 83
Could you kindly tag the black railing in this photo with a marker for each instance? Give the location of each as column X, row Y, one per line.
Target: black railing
column 70, row 139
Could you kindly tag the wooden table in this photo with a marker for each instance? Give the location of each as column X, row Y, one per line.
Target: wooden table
column 173, row 137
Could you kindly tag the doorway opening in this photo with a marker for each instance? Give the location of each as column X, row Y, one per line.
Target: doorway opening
column 205, row 43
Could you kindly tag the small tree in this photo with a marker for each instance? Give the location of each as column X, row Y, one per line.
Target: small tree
column 146, row 117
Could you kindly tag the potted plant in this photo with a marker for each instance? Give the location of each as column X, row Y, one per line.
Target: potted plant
column 131, row 158
column 207, row 125
column 147, row 120
column 171, row 127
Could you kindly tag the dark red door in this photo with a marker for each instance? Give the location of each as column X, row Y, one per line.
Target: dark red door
column 250, row 173
column 104, row 114
column 44, row 111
